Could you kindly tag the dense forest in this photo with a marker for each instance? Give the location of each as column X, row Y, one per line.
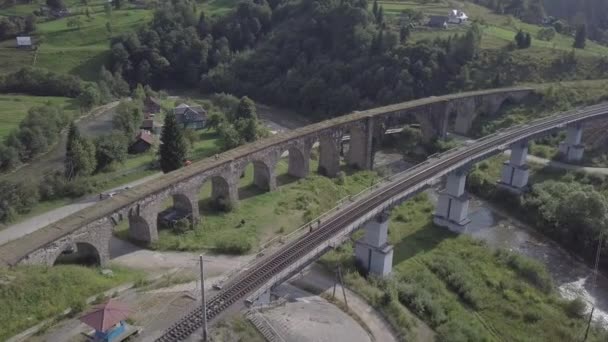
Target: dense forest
column 593, row 13
column 319, row 56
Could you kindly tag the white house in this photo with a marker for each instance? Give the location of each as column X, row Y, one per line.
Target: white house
column 457, row 17
column 24, row 42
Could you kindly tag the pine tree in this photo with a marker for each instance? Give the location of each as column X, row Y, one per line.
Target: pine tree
column 73, row 138
column 83, row 157
column 404, row 34
column 380, row 16
column 580, row 40
column 173, row 147
column 375, row 9
column 73, row 135
column 527, row 40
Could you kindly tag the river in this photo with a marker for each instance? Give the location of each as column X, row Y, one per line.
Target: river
column 572, row 277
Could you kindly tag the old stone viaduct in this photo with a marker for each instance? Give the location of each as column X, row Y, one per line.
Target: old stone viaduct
column 91, row 228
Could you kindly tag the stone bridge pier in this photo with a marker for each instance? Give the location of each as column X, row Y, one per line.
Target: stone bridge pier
column 572, row 149
column 453, row 204
column 373, row 252
column 329, row 155
column 360, row 151
column 224, row 192
column 515, row 171
column 299, row 162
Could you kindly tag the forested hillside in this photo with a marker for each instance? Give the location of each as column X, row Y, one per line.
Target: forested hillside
column 593, row 13
column 325, row 57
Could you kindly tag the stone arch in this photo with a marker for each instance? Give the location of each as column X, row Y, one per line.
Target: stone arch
column 263, row 179
column 262, row 175
column 222, row 193
column 82, row 253
column 299, row 164
column 185, row 206
column 329, row 156
column 141, row 229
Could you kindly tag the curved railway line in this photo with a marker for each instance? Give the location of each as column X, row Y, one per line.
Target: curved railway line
column 248, row 281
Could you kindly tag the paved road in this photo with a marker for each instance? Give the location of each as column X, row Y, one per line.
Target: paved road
column 317, row 278
column 31, row 225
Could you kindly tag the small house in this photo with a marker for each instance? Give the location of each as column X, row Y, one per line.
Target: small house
column 152, row 105
column 457, row 17
column 147, row 125
column 24, row 42
column 438, row 21
column 143, row 142
column 193, row 117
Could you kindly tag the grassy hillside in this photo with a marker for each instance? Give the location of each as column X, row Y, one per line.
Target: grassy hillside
column 499, row 30
column 13, row 108
column 81, row 51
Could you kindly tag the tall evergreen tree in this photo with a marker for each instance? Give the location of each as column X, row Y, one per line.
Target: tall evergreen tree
column 580, row 40
column 73, row 135
column 375, row 9
column 83, row 157
column 173, row 147
column 73, row 138
column 380, row 16
column 527, row 40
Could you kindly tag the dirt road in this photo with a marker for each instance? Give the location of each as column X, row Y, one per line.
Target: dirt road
column 31, row 225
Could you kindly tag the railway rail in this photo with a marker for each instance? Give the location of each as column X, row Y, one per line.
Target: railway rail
column 253, row 278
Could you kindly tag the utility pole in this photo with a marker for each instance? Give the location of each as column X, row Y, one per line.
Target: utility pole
column 204, row 303
column 342, row 284
column 595, row 270
column 589, row 323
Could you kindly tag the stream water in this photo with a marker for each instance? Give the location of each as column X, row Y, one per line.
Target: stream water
column 572, row 277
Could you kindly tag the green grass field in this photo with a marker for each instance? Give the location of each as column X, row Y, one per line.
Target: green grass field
column 81, row 51
column 13, row 108
column 498, row 30
column 32, row 294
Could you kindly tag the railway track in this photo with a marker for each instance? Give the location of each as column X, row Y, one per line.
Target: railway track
column 271, row 265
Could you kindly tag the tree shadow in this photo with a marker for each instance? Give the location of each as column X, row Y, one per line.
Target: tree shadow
column 421, row 241
column 285, row 178
column 249, row 191
column 348, row 170
column 207, row 208
column 90, row 68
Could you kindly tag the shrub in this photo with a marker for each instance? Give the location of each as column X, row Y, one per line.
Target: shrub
column 233, row 245
column 575, row 308
column 36, row 81
column 532, row 316
column 181, row 226
column 16, row 198
column 534, row 272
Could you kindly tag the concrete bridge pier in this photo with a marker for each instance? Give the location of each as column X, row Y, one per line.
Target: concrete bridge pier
column 453, row 205
column 571, row 148
column 515, row 172
column 373, row 251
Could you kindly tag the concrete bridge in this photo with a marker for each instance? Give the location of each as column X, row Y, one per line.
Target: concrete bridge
column 90, row 230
